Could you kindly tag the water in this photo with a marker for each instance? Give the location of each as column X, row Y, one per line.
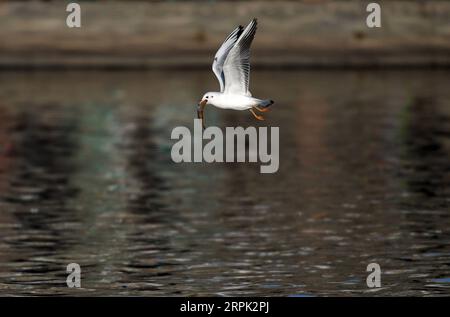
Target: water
column 86, row 177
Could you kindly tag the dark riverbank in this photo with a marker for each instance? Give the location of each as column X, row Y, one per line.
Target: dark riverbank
column 138, row 35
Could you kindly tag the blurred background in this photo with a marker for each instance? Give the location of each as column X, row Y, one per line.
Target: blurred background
column 86, row 175
column 149, row 34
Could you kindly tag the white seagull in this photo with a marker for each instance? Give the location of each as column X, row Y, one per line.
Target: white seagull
column 232, row 68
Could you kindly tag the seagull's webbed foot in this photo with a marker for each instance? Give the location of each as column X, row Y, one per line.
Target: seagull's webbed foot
column 261, row 118
column 261, row 109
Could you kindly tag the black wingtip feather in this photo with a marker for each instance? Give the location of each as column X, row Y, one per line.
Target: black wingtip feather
column 241, row 29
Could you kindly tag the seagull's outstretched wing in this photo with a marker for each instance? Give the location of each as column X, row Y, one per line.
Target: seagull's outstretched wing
column 236, row 68
column 222, row 53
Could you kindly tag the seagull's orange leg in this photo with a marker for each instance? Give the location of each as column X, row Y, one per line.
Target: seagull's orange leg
column 261, row 118
column 261, row 109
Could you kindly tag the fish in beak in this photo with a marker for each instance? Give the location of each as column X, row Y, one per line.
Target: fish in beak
column 200, row 108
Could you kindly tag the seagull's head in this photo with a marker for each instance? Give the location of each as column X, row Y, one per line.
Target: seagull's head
column 208, row 99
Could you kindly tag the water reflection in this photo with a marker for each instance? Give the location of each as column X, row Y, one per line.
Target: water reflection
column 147, row 241
column 425, row 171
column 36, row 196
column 426, row 165
column 86, row 177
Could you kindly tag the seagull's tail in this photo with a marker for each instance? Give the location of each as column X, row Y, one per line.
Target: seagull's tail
column 265, row 103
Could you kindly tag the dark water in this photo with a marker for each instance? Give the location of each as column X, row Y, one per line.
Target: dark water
column 86, row 177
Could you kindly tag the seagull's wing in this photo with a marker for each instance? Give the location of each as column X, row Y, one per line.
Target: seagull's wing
column 222, row 53
column 236, row 68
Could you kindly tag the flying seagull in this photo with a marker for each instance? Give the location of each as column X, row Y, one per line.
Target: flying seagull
column 232, row 68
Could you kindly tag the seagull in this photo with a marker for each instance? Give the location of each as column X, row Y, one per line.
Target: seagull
column 232, row 68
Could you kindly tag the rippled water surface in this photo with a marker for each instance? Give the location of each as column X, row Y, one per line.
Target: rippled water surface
column 86, row 177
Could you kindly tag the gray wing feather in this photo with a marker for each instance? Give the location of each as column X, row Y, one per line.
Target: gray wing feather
column 222, row 54
column 237, row 64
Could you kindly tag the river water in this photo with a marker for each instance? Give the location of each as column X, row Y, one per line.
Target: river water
column 86, row 177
